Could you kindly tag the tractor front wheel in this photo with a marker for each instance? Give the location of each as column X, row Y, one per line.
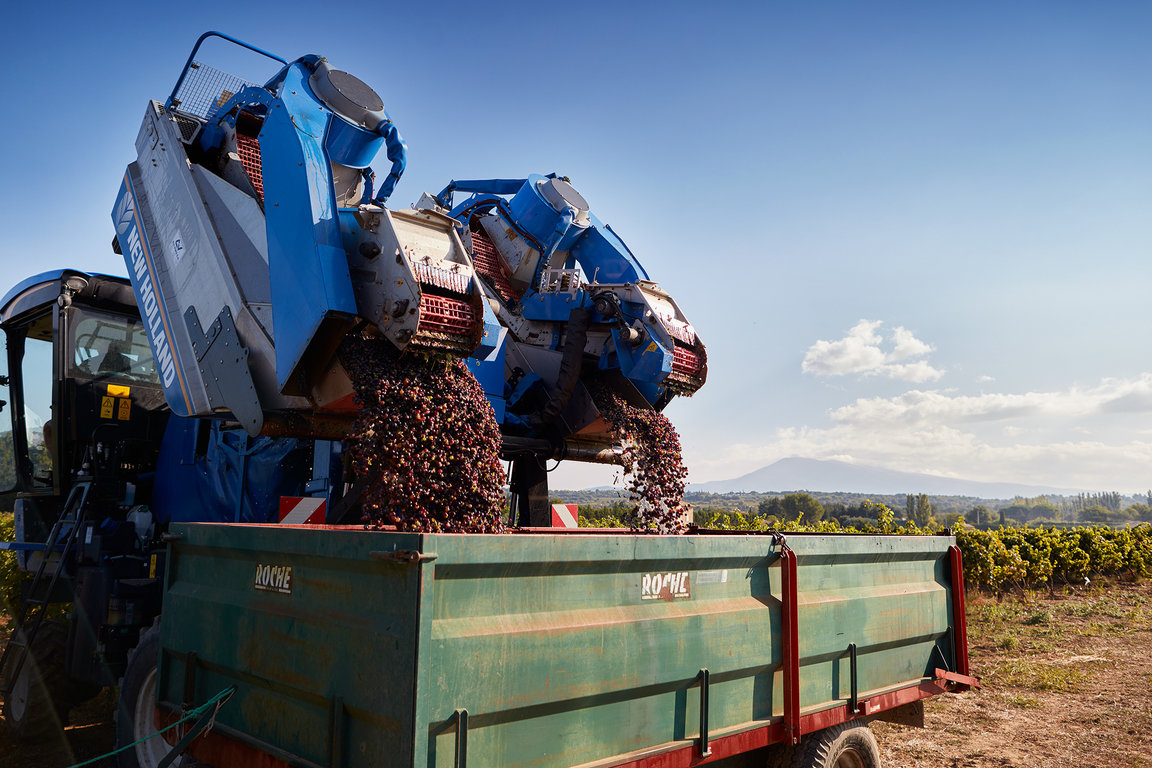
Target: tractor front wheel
column 136, row 712
column 39, row 698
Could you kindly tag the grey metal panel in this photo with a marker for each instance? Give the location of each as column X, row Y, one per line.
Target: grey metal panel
column 223, row 365
column 147, row 207
column 240, row 223
column 188, row 214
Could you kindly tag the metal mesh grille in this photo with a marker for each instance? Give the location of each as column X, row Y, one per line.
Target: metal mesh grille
column 205, row 89
column 488, row 263
column 188, row 127
column 688, row 371
column 439, row 313
column 686, row 362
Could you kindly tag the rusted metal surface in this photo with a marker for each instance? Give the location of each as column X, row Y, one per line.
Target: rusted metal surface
column 319, row 426
column 564, row 649
column 575, row 449
column 725, row 746
column 963, row 682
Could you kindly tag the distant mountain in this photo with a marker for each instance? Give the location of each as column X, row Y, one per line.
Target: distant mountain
column 798, row 474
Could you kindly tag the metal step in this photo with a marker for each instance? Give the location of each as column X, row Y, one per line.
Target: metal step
column 34, row 608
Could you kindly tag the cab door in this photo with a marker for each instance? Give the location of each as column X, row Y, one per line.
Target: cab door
column 30, row 468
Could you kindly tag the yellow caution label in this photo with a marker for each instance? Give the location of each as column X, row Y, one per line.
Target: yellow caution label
column 106, row 405
column 152, row 567
column 124, row 410
column 651, row 347
column 119, row 390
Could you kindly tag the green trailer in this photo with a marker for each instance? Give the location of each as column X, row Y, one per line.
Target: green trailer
column 338, row 646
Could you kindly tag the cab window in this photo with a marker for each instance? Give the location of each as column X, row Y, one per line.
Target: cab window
column 110, row 346
column 29, row 409
column 37, row 379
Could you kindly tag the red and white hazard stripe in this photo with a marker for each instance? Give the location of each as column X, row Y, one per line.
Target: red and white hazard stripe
column 565, row 516
column 296, row 510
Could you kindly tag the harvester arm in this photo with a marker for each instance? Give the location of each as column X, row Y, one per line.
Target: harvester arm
column 249, row 222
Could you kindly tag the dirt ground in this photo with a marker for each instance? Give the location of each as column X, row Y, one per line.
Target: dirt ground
column 1067, row 681
column 89, row 734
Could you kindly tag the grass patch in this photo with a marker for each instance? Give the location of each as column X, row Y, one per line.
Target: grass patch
column 1041, row 677
column 1038, row 618
column 1137, row 619
column 1094, row 629
column 1023, row 702
column 1009, row 642
column 996, row 612
column 1057, row 632
column 1103, row 607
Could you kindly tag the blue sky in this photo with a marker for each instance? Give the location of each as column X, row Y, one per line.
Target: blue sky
column 912, row 234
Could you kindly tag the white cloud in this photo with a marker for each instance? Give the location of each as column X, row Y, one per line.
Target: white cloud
column 862, row 352
column 1081, row 437
column 917, row 372
column 919, row 407
column 907, row 345
column 858, row 352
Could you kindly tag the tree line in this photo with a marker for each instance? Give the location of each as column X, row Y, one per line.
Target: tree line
column 918, row 509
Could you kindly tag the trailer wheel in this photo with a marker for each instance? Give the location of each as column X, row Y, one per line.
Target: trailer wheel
column 135, row 714
column 848, row 745
column 39, row 699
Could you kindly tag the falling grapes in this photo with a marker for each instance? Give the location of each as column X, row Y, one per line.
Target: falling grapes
column 427, row 440
column 655, row 470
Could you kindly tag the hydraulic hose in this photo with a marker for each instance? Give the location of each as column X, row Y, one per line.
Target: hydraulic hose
column 397, row 153
column 567, row 216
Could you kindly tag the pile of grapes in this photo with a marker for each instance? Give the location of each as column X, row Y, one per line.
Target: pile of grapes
column 655, row 470
column 427, row 441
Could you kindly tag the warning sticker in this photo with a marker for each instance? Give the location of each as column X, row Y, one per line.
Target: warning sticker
column 124, row 410
column 119, row 390
column 106, row 406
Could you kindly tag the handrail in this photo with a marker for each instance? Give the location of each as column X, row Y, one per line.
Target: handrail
column 195, row 48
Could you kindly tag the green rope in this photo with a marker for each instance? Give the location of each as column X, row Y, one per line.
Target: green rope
column 217, row 700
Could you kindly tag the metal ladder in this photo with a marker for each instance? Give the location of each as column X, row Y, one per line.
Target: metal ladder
column 73, row 512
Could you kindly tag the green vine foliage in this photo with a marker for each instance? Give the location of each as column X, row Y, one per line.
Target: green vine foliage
column 994, row 560
column 10, row 574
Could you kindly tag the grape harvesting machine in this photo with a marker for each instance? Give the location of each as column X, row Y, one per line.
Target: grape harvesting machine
column 182, row 482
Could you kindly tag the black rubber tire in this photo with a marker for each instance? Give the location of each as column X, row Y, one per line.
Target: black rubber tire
column 848, row 745
column 39, row 700
column 138, row 689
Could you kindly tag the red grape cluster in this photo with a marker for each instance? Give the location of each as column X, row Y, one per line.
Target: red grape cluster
column 427, row 440
column 656, row 472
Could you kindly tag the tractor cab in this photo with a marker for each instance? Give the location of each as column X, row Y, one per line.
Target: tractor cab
column 83, row 418
column 83, row 397
column 86, row 432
